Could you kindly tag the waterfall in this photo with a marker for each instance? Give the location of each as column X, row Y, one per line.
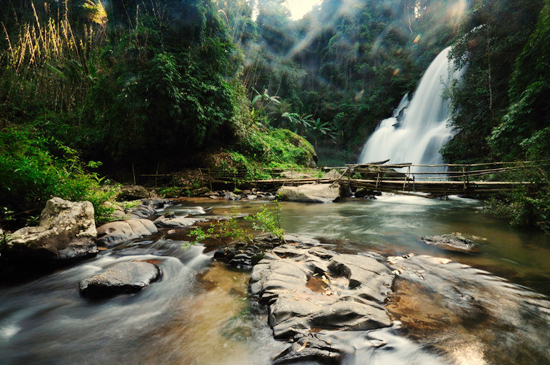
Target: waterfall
column 418, row 129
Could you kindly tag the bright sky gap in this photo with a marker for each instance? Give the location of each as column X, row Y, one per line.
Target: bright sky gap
column 299, row 8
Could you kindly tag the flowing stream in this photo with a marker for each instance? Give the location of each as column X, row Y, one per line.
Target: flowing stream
column 418, row 129
column 199, row 313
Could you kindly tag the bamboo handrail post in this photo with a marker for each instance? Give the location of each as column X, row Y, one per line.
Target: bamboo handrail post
column 406, row 177
column 157, row 174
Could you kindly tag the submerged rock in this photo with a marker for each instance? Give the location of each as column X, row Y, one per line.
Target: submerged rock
column 312, row 193
column 311, row 288
column 67, row 231
column 448, row 306
column 451, row 242
column 124, row 277
column 113, row 233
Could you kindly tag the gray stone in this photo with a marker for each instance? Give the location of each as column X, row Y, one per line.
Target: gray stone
column 303, row 241
column 308, row 288
column 350, row 315
column 358, row 269
column 132, row 192
column 124, row 277
column 67, row 231
column 232, row 196
column 312, row 348
column 157, row 203
column 141, row 212
column 113, row 233
column 312, row 193
column 177, row 222
column 452, row 242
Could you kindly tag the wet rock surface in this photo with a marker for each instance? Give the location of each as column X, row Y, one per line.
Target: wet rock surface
column 175, row 222
column 67, row 231
column 467, row 313
column 124, row 277
column 141, row 212
column 311, row 289
column 452, row 242
column 311, row 193
column 113, row 233
column 244, row 195
column 244, row 256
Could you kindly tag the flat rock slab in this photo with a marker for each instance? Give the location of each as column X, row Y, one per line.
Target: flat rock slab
column 451, row 242
column 310, row 288
column 312, row 193
column 124, row 277
column 177, row 222
column 113, row 233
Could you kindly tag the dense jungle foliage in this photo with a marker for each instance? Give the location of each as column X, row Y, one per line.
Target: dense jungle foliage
column 171, row 83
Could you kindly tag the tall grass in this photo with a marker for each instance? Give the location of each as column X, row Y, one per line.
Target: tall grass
column 49, row 62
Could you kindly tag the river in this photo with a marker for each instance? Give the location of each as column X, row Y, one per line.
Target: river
column 198, row 313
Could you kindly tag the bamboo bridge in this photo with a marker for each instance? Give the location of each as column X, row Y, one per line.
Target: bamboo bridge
column 405, row 178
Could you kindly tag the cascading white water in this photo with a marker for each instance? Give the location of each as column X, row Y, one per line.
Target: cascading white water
column 417, row 130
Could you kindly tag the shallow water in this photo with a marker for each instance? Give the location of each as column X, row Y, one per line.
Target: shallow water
column 198, row 313
column 183, row 318
column 396, row 223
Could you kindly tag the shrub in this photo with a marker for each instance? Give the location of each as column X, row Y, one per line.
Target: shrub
column 525, row 207
column 267, row 220
column 34, row 168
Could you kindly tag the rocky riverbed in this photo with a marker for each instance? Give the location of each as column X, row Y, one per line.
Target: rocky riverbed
column 323, row 303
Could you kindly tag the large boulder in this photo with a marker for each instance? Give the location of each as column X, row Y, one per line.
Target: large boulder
column 309, row 288
column 132, row 192
column 67, row 231
column 124, row 277
column 311, row 193
column 113, row 233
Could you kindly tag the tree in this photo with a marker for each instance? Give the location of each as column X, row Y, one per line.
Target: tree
column 492, row 38
column 524, row 131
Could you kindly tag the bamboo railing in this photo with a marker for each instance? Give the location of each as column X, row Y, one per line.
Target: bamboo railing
column 443, row 179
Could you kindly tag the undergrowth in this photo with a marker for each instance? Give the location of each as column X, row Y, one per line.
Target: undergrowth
column 35, row 168
column 528, row 207
column 267, row 220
